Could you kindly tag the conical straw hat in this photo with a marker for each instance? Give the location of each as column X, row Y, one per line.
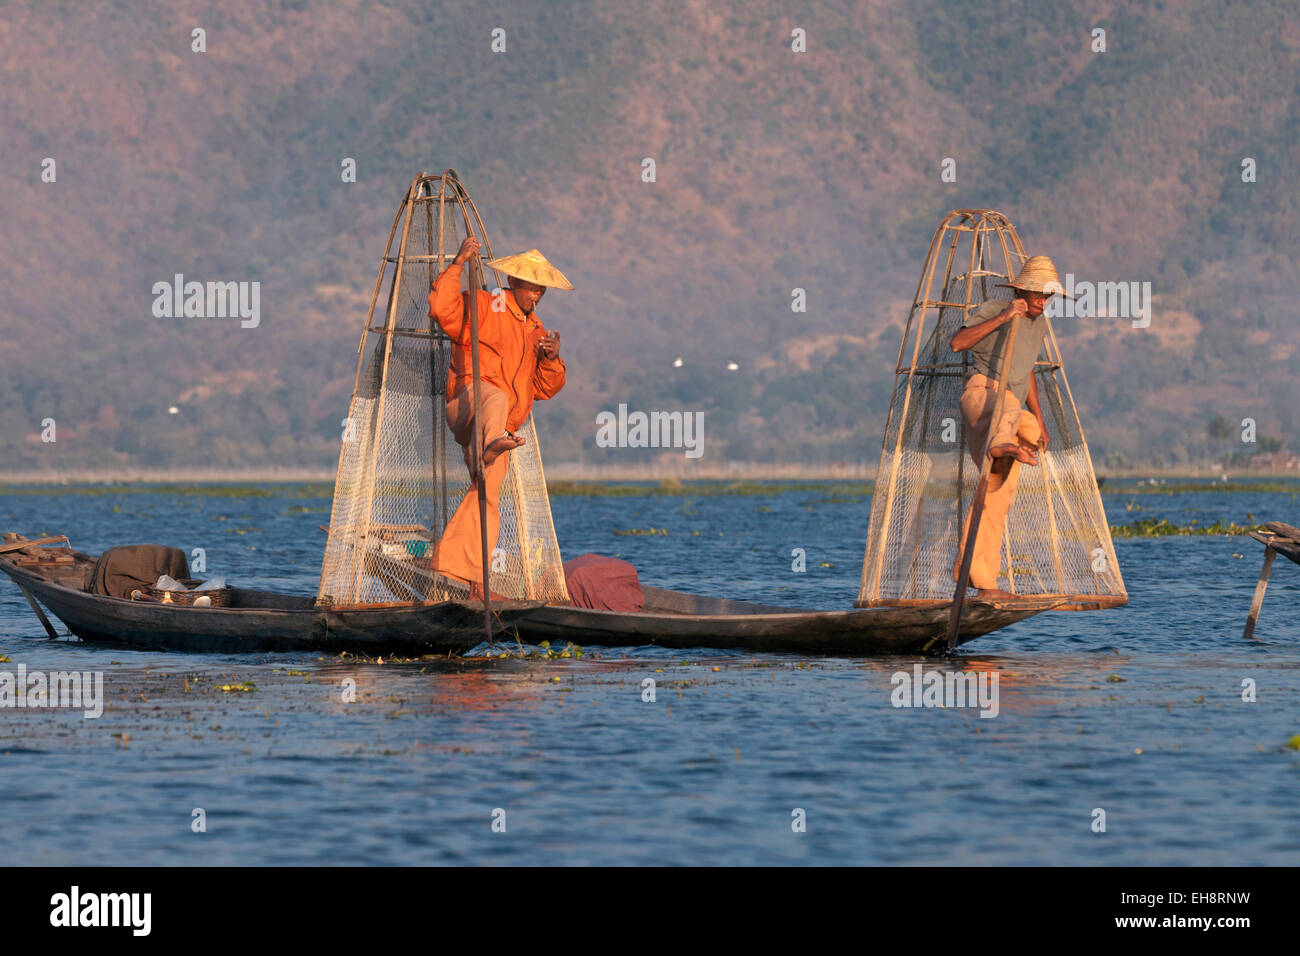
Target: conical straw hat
column 1038, row 274
column 532, row 266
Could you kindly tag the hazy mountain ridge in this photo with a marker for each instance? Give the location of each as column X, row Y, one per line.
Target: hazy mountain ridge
column 775, row 171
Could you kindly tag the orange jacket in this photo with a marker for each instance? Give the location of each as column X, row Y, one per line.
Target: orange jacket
column 507, row 346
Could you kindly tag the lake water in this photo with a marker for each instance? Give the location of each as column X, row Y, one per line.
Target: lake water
column 1136, row 711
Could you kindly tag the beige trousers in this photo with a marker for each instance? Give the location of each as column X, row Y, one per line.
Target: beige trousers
column 459, row 553
column 1016, row 424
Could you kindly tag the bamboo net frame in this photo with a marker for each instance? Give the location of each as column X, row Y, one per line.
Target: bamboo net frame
column 401, row 474
column 1056, row 541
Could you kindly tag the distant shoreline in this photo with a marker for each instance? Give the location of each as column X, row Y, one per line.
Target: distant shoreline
column 567, row 472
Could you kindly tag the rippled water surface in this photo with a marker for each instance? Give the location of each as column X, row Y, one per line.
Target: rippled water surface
column 1136, row 711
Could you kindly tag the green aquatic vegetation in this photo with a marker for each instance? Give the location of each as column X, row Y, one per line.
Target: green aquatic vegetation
column 243, row 687
column 643, row 531
column 252, row 490
column 1294, row 742
column 1186, row 487
column 543, row 651
column 363, row 658
column 1151, row 528
column 4, row 659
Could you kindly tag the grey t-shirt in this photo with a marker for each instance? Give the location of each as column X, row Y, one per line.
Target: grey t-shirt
column 986, row 354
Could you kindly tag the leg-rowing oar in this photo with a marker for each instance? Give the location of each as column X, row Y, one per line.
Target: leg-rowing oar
column 49, row 628
column 33, row 543
column 981, row 490
column 476, row 283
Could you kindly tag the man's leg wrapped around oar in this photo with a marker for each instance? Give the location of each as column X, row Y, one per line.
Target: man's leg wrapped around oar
column 459, row 551
column 1017, row 425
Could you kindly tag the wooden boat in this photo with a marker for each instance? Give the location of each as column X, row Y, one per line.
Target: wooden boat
column 400, row 481
column 51, row 573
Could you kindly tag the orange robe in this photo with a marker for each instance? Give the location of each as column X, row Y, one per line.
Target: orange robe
column 508, row 342
column 512, row 375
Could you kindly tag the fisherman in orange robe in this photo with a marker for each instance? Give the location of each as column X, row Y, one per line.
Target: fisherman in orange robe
column 518, row 361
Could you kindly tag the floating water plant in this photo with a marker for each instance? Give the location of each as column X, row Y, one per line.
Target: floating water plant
column 1151, row 528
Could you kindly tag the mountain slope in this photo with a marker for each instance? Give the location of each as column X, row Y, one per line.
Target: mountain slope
column 775, row 171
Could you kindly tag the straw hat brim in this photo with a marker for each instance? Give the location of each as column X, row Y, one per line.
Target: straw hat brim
column 1036, row 274
column 532, row 266
column 1025, row 288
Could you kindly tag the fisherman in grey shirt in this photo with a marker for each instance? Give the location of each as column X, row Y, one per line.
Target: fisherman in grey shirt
column 1020, row 432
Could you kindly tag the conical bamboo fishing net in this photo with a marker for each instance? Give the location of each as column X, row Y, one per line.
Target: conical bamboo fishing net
column 1056, row 540
column 401, row 474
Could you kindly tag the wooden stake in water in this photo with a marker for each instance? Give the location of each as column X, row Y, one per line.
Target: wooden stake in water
column 1260, row 587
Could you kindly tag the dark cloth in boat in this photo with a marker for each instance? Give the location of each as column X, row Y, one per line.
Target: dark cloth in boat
column 603, row 584
column 121, row 570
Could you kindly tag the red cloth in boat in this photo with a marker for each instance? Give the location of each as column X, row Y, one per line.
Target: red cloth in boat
column 603, row 584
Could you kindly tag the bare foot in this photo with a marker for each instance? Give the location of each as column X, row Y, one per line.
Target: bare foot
column 994, row 594
column 1019, row 452
column 496, row 449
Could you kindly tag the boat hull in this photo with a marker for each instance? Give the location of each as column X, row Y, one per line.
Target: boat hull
column 678, row 620
column 283, row 623
column 265, row 621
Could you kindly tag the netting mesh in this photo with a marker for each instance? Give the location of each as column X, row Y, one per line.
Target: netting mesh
column 401, row 473
column 1056, row 539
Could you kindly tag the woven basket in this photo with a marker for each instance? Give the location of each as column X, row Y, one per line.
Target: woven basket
column 220, row 596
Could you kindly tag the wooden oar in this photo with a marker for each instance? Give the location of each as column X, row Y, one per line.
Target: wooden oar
column 475, row 284
column 981, row 490
column 49, row 628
